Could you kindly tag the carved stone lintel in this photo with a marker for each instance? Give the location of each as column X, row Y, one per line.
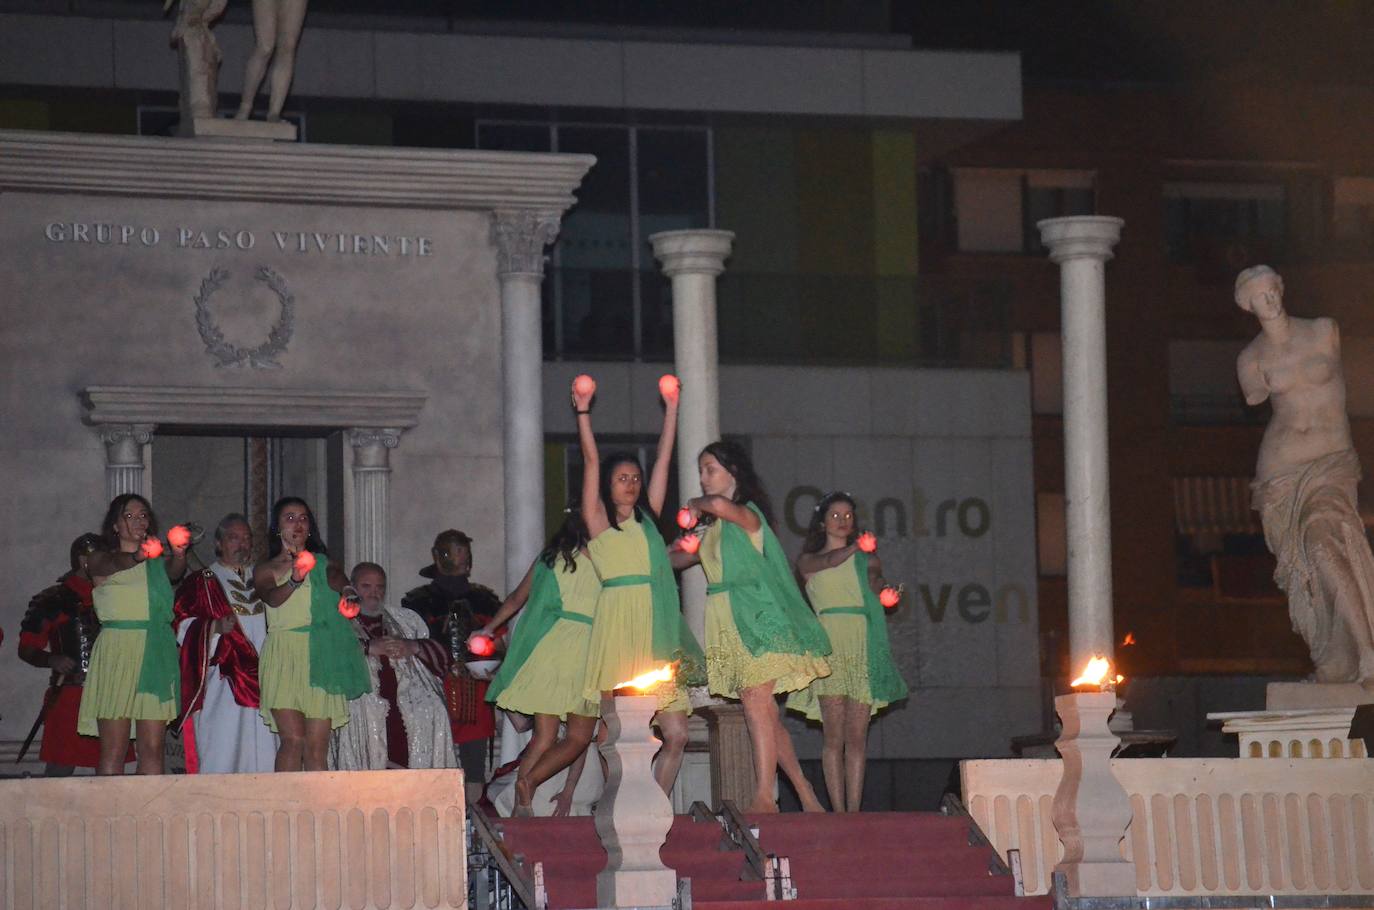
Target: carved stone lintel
column 124, row 442
column 520, row 237
column 372, row 445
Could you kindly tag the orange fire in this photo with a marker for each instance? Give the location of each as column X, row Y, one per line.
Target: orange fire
column 1128, row 640
column 647, row 681
column 1097, row 674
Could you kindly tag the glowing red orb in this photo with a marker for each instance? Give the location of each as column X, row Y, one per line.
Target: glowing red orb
column 689, row 543
column 305, row 561
column 867, row 542
column 348, row 608
column 685, row 518
column 584, row 385
column 889, row 597
column 179, row 536
column 151, row 548
column 482, row 645
column 669, row 387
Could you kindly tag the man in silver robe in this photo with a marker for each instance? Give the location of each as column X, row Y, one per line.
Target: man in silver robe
column 402, row 722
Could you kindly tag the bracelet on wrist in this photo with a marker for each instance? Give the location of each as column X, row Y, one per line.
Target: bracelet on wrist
column 292, row 583
column 587, row 411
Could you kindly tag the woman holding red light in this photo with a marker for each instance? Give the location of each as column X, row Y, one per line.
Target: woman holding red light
column 639, row 625
column 761, row 638
column 134, row 678
column 844, row 579
column 311, row 663
column 545, row 665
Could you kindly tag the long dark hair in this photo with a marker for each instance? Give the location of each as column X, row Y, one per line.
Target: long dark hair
column 109, row 539
column 313, row 543
column 815, row 531
column 570, row 537
column 748, row 488
column 608, row 466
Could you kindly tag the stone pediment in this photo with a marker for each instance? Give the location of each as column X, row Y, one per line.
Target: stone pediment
column 217, row 406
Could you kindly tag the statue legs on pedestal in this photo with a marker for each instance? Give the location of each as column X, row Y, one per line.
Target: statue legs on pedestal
column 276, row 30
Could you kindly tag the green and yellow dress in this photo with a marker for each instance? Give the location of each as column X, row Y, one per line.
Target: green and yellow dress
column 758, row 627
column 311, row 661
column 639, row 625
column 861, row 658
column 134, row 671
column 546, row 665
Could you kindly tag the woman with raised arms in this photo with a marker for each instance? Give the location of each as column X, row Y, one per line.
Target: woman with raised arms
column 639, row 625
column 843, row 577
column 761, row 637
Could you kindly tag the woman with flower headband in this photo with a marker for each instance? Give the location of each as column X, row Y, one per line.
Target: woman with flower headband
column 639, row 625
column 134, row 679
column 311, row 662
column 546, row 664
column 761, row 638
column 843, row 576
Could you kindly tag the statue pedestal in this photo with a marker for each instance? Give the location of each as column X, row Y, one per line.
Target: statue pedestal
column 241, row 130
column 1300, row 720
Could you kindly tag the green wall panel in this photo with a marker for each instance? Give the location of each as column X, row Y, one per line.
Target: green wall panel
column 756, row 197
column 835, row 201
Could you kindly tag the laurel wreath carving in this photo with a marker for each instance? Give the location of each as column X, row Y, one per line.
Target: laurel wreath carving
column 262, row 357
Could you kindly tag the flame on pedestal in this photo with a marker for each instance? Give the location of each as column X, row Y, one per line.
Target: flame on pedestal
column 1129, row 639
column 1097, row 674
column 650, row 680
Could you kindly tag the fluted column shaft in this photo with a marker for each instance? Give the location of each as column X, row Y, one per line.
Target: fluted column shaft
column 371, row 526
column 692, row 260
column 1082, row 246
column 520, row 238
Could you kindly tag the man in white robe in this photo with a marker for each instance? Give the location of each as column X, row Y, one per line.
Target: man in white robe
column 402, row 722
column 221, row 626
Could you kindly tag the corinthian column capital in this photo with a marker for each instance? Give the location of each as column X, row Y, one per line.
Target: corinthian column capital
column 520, row 237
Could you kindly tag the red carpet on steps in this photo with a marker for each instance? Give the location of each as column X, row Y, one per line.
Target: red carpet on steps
column 868, row 861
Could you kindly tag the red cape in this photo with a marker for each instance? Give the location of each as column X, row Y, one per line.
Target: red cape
column 201, row 599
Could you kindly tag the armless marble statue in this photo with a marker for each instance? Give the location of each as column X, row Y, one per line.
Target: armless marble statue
column 1305, row 480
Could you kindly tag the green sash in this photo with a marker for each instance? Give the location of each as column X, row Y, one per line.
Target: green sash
column 160, row 675
column 885, row 684
column 542, row 610
column 769, row 611
column 337, row 664
column 672, row 640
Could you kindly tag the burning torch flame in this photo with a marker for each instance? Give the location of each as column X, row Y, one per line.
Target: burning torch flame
column 584, row 385
column 1097, row 673
column 669, row 387
column 689, row 543
column 685, row 518
column 304, row 563
column 1128, row 640
column 348, row 607
column 151, row 548
column 889, row 597
column 649, row 680
column 482, row 645
column 179, row 537
column 868, row 542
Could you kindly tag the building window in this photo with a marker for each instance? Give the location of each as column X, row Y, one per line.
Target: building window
column 1227, row 225
column 996, row 209
column 1352, row 218
column 604, row 297
column 1203, row 390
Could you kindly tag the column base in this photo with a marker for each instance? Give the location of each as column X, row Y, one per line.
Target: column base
column 636, row 888
column 732, row 754
column 1112, row 879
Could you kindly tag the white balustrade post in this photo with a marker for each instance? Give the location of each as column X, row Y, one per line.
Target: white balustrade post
column 1082, row 246
column 124, row 444
column 371, row 529
column 520, row 238
column 692, row 260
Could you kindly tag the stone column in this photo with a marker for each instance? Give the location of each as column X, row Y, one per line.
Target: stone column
column 370, row 530
column 124, row 444
column 1082, row 246
column 520, row 238
column 693, row 259
column 732, row 755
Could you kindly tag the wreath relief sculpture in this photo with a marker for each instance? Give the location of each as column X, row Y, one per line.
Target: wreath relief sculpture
column 262, row 357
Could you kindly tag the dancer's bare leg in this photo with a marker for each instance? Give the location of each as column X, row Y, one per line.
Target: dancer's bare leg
column 787, row 761
column 544, row 736
column 563, row 753
column 761, row 718
column 290, row 739
column 316, row 756
column 672, row 731
column 149, row 737
column 114, row 745
column 832, row 751
column 856, row 717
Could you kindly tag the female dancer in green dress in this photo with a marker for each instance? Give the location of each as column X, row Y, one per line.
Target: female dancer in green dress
column 639, row 625
column 546, row 663
column 842, row 582
column 134, row 677
column 311, row 662
column 761, row 638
